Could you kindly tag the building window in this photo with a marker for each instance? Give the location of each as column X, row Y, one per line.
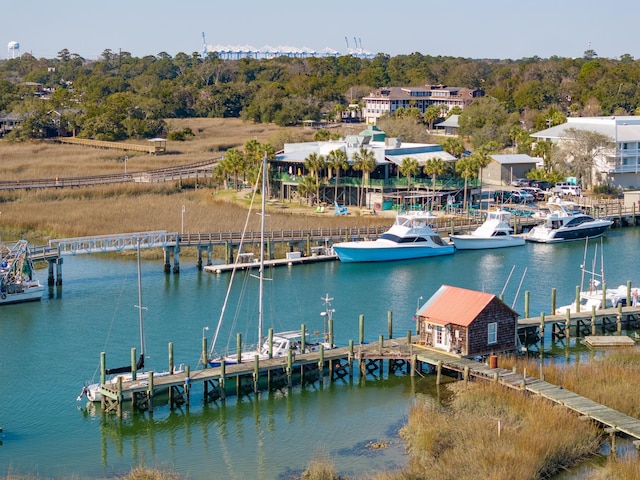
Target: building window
column 492, row 336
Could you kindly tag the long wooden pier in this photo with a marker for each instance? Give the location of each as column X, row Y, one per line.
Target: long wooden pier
column 401, row 354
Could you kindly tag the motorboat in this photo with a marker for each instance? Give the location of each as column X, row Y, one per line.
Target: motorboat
column 18, row 280
column 410, row 237
column 275, row 344
column 566, row 222
column 495, row 232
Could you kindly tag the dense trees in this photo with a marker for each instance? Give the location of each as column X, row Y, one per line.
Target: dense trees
column 288, row 90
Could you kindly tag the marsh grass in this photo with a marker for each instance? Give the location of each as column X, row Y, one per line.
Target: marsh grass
column 611, row 378
column 461, row 440
column 102, row 210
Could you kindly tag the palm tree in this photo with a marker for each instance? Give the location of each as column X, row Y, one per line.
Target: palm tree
column 409, row 167
column 314, row 163
column 306, row 187
column 482, row 157
column 234, row 164
column 337, row 160
column 453, row 146
column 435, row 166
column 364, row 161
column 466, row 168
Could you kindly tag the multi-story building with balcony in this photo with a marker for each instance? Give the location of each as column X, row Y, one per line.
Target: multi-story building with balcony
column 618, row 162
column 389, row 99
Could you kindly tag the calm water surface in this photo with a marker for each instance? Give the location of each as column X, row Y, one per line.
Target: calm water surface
column 49, row 349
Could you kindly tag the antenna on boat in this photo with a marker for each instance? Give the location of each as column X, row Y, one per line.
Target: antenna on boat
column 507, row 282
column 513, row 305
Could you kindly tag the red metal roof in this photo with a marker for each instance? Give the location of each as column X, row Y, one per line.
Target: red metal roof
column 455, row 305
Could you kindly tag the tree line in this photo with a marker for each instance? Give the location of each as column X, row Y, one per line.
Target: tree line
column 118, row 96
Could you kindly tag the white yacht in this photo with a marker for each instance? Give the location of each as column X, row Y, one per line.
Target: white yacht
column 495, row 232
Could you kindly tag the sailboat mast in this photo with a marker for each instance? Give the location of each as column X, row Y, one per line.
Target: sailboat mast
column 261, row 274
column 139, row 306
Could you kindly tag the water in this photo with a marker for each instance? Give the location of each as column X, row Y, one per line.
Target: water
column 49, row 349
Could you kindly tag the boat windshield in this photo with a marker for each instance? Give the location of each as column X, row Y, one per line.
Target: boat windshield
column 396, row 239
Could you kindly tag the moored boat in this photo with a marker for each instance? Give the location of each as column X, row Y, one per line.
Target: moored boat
column 566, row 222
column 410, row 237
column 18, row 280
column 495, row 232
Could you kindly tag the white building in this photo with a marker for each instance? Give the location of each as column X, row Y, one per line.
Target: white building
column 619, row 163
column 389, row 99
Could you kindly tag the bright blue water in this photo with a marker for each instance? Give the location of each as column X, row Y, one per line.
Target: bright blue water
column 50, row 348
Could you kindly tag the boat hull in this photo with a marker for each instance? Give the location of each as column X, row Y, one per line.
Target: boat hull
column 548, row 235
column 350, row 252
column 471, row 242
column 31, row 294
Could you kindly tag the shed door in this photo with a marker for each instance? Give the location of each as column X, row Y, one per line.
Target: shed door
column 440, row 337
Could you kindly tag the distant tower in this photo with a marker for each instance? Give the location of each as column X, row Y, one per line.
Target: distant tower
column 12, row 47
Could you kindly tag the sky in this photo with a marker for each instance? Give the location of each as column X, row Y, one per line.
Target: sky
column 500, row 29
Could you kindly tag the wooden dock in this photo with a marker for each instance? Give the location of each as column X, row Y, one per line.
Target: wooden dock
column 402, row 355
column 250, row 264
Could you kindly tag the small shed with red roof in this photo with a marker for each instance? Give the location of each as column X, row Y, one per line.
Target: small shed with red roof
column 467, row 322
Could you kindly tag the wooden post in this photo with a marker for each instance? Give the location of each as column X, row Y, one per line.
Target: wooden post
column 171, row 364
column 380, row 343
column 438, row 372
column 270, row 342
column 203, row 358
column 256, row 372
column 119, row 400
column 604, row 295
column 239, row 348
column 414, row 362
column 567, row 326
column 150, row 391
column 578, row 299
column 223, row 379
column 361, row 330
column 629, row 290
column 303, row 339
column 134, row 362
column 553, row 301
column 495, row 377
column 321, row 365
column 289, row 368
column 390, row 324
column 465, row 375
column 350, row 360
column 542, row 331
column 593, row 319
column 619, row 319
column 331, row 342
column 408, row 337
column 526, row 303
column 187, row 384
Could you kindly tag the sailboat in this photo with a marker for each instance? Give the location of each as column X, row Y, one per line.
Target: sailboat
column 593, row 296
column 92, row 390
column 280, row 343
column 18, row 281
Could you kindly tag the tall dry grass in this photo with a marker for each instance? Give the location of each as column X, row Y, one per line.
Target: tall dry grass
column 462, row 440
column 612, row 379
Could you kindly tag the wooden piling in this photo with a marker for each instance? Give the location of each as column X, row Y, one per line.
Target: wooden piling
column 239, row 347
column 527, row 297
column 256, row 372
column 578, row 299
column 542, row 331
column 438, row 372
column 270, row 342
column 150, row 392
column 380, row 343
column 390, row 324
column 289, row 368
column 553, row 301
column 203, row 358
column 303, row 339
column 171, row 363
column 134, row 362
column 593, row 319
column 223, row 379
column 361, row 330
column 321, row 366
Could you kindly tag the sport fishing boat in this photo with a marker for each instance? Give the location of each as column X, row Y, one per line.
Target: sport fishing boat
column 495, row 232
column 18, row 281
column 566, row 222
column 410, row 237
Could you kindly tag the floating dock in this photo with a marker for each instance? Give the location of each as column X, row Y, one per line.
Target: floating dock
column 248, row 262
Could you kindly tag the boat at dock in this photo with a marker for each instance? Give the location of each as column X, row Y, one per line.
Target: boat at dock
column 277, row 344
column 567, row 222
column 92, row 390
column 495, row 232
column 410, row 237
column 18, row 280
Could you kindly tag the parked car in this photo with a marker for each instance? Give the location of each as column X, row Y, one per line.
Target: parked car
column 542, row 184
column 536, row 192
column 521, row 196
column 564, row 188
column 521, row 182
